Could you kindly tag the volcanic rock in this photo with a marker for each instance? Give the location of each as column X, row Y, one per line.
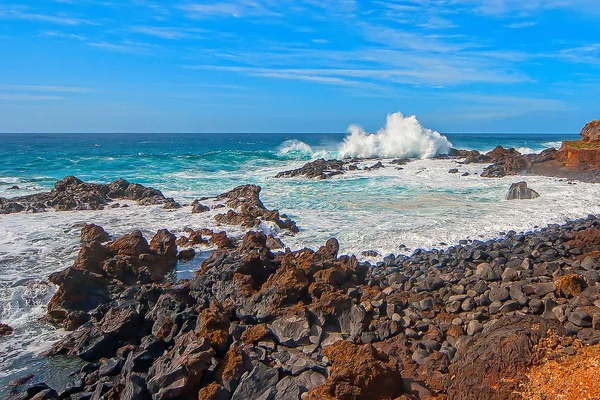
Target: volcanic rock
column 318, row 169
column 71, row 193
column 520, row 191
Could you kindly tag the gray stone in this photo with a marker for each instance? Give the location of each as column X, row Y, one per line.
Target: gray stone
column 495, row 307
column 309, row 380
column 580, row 318
column 542, row 289
column 499, row 294
column 520, row 191
column 510, row 275
column 256, row 382
column 474, row 327
column 516, row 293
column 510, row 306
column 291, row 330
column 468, row 304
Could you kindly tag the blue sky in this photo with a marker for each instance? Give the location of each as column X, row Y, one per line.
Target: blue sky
column 298, row 65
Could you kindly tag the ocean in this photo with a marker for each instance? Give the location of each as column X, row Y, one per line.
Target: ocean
column 387, row 210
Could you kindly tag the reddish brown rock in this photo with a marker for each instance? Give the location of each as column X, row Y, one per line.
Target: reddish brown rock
column 358, row 372
column 570, row 285
column 5, row 330
column 591, row 131
column 213, row 324
column 92, row 233
column 494, row 365
column 132, row 244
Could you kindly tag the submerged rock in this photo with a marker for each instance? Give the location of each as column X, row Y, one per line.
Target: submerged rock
column 520, row 191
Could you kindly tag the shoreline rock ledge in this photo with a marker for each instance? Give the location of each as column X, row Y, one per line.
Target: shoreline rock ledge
column 585, row 153
column 468, row 322
column 71, row 193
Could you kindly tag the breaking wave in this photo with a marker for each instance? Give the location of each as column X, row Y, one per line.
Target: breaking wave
column 401, row 137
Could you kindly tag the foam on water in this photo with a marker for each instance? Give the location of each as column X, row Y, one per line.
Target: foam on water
column 420, row 205
column 401, row 137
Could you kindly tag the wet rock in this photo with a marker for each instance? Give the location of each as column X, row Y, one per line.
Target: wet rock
column 71, row 193
column 248, row 210
column 520, row 191
column 198, row 207
column 94, row 233
column 318, row 169
column 5, row 330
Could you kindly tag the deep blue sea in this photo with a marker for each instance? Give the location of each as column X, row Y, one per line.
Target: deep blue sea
column 420, row 205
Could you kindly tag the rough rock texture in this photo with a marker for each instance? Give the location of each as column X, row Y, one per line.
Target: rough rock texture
column 520, row 191
column 5, row 330
column 583, row 155
column 591, row 131
column 73, row 194
column 506, row 162
column 468, row 322
column 101, row 271
column 493, row 366
column 318, row 169
column 248, row 210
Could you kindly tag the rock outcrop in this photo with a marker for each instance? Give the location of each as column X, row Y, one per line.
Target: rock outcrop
column 520, row 191
column 506, row 162
column 582, row 154
column 100, row 272
column 468, row 322
column 71, row 193
column 318, row 169
column 247, row 210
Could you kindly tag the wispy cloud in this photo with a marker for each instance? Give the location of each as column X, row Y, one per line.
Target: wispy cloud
column 59, row 19
column 521, row 25
column 126, row 46
column 44, row 88
column 27, row 97
column 170, row 33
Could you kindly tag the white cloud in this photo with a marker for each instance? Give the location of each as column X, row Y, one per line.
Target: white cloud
column 26, row 97
column 44, row 88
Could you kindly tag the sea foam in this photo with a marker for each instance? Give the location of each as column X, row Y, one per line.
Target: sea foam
column 401, row 137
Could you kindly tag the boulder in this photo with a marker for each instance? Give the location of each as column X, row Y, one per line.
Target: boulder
column 520, row 191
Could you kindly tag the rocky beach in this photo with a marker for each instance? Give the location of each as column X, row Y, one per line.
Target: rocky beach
column 516, row 316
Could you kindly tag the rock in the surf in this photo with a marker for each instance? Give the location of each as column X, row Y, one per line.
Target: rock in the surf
column 520, row 191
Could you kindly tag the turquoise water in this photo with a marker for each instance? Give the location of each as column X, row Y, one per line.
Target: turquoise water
column 418, row 206
column 190, row 164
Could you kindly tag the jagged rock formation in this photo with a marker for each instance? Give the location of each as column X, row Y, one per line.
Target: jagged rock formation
column 318, row 169
column 468, row 322
column 71, row 193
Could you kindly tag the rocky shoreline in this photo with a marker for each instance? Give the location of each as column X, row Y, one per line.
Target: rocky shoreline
column 468, row 322
column 476, row 320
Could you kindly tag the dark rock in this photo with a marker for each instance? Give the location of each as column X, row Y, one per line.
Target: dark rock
column 520, row 191
column 256, row 382
column 318, row 169
column 198, row 208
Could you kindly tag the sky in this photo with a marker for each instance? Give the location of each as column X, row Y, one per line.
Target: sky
column 518, row 66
